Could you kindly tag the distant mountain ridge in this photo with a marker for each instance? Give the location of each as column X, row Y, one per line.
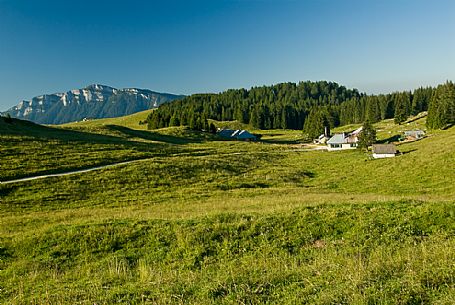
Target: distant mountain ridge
column 93, row 101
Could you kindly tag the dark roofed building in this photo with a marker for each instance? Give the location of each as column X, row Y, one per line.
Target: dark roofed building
column 225, row 133
column 238, row 134
column 384, row 150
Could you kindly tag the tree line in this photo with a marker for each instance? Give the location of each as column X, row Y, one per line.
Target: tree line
column 441, row 111
column 307, row 105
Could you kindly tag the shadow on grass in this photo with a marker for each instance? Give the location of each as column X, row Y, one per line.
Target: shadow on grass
column 299, row 176
column 4, row 191
column 280, row 141
column 394, row 138
column 29, row 129
column 190, row 136
column 407, row 152
column 275, row 134
column 233, row 186
column 415, row 119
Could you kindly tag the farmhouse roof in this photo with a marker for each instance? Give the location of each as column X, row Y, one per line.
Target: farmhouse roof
column 236, row 134
column 226, row 133
column 357, row 131
column 414, row 133
column 337, row 138
column 243, row 134
column 384, row 149
column 341, row 138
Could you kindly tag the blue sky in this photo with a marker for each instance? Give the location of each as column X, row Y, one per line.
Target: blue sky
column 188, row 47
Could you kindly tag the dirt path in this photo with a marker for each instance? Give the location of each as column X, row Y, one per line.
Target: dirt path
column 79, row 171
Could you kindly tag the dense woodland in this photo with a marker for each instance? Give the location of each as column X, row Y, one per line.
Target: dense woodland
column 441, row 111
column 307, row 105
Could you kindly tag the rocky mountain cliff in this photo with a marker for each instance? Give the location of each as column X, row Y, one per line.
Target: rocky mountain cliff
column 94, row 101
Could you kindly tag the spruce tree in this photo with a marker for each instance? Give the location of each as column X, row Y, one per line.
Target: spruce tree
column 373, row 111
column 174, row 121
column 8, row 119
column 402, row 107
column 367, row 136
column 284, row 118
column 315, row 123
column 192, row 122
column 212, row 128
column 441, row 111
column 254, row 119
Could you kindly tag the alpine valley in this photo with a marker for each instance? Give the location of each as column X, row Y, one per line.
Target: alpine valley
column 93, row 101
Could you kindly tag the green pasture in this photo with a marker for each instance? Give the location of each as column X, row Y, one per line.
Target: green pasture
column 200, row 220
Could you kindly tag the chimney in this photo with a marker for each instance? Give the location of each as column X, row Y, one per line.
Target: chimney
column 327, row 131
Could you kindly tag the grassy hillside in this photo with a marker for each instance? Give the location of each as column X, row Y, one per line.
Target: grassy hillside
column 387, row 130
column 223, row 222
column 131, row 121
column 29, row 149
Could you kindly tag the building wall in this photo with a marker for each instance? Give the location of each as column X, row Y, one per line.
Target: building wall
column 379, row 156
column 342, row 147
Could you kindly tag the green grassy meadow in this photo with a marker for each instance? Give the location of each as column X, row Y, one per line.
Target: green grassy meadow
column 199, row 220
column 132, row 121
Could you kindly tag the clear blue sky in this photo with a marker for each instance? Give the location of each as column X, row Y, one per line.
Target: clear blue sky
column 208, row 46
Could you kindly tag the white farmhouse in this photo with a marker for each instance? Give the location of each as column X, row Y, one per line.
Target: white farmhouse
column 341, row 141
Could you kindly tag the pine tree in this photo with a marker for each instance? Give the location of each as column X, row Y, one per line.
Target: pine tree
column 441, row 111
column 153, row 121
column 212, row 128
column 8, row 119
column 402, row 107
column 421, row 99
column 373, row 112
column 205, row 124
column 174, row 121
column 387, row 106
column 367, row 136
column 315, row 123
column 284, row 118
column 192, row 122
column 198, row 123
column 254, row 118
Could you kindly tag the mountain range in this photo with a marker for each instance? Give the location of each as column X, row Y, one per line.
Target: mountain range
column 94, row 101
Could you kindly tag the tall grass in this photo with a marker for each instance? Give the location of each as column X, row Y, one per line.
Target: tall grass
column 394, row 252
